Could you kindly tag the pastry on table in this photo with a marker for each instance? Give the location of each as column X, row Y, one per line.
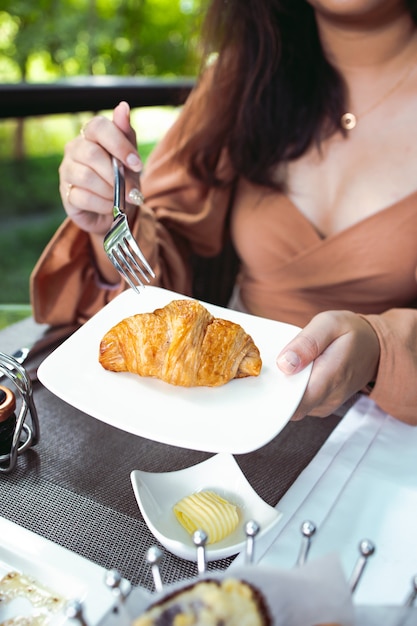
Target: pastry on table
column 181, row 344
column 231, row 602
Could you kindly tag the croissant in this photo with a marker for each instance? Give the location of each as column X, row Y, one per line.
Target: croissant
column 182, row 344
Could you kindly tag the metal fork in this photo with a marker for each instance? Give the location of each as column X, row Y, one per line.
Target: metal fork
column 119, row 243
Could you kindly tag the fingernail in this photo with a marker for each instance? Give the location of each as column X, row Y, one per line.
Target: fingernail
column 288, row 362
column 125, row 106
column 134, row 161
column 136, row 197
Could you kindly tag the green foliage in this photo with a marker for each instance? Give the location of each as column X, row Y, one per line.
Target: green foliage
column 21, row 245
column 49, row 39
column 29, row 187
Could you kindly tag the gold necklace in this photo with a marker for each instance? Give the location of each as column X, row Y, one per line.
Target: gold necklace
column 349, row 120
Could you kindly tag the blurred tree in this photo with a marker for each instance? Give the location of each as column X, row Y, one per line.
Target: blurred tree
column 58, row 38
column 53, row 39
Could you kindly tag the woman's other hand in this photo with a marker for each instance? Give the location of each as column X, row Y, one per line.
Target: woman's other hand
column 86, row 173
column 345, row 351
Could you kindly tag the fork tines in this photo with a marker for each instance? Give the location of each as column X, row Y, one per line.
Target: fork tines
column 119, row 243
column 123, row 255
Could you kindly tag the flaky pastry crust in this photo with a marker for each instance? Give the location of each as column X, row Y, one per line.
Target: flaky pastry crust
column 182, row 344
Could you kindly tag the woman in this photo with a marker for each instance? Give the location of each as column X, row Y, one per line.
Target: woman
column 322, row 211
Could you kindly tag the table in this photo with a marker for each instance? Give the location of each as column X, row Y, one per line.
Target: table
column 74, row 487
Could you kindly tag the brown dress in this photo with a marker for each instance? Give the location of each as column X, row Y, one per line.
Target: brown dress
column 289, row 272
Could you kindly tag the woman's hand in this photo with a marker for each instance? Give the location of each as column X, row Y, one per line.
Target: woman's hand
column 345, row 351
column 86, row 173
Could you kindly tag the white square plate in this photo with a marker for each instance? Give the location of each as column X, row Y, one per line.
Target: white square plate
column 238, row 417
column 157, row 493
column 61, row 572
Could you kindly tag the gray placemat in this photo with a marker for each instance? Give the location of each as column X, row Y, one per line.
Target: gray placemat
column 101, row 534
column 74, row 486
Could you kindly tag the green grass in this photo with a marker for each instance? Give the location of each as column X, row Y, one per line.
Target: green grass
column 12, row 313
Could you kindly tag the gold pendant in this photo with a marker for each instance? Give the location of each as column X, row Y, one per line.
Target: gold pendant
column 348, row 121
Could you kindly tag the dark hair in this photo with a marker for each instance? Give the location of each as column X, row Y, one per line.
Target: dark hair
column 276, row 93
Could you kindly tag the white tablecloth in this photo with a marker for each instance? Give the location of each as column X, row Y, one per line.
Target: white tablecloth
column 361, row 485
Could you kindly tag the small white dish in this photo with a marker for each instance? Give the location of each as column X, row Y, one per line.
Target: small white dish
column 157, row 493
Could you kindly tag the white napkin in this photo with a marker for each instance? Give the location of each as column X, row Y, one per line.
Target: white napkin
column 361, row 485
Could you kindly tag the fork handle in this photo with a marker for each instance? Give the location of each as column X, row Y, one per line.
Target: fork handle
column 119, row 188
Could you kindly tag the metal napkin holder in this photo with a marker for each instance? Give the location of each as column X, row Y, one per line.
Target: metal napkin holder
column 25, row 434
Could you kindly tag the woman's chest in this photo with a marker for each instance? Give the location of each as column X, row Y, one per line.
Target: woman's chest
column 275, row 241
column 355, row 177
